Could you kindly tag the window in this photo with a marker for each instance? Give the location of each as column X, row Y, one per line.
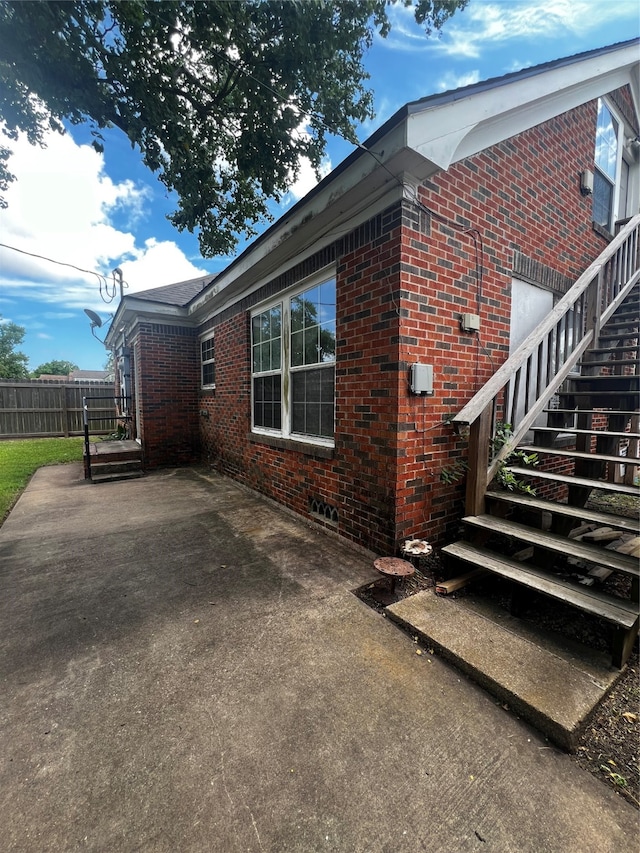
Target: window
column 606, row 171
column 208, row 362
column 293, row 351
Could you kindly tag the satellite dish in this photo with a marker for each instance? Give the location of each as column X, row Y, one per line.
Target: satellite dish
column 95, row 320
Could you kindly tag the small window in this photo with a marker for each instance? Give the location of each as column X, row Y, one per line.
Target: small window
column 208, row 362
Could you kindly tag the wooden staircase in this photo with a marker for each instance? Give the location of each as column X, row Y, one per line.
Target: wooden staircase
column 580, row 369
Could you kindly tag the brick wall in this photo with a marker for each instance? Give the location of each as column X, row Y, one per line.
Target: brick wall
column 403, row 279
column 167, row 368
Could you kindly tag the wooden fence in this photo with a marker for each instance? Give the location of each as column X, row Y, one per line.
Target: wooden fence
column 38, row 409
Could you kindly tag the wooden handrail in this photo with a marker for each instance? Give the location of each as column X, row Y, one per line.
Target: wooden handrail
column 560, row 341
column 478, row 403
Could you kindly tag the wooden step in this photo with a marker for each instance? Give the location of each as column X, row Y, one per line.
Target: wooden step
column 611, row 362
column 606, row 412
column 578, row 454
column 605, row 485
column 572, row 431
column 603, row 399
column 618, row 611
column 114, row 477
column 604, row 519
column 624, row 383
column 602, row 350
column 557, row 544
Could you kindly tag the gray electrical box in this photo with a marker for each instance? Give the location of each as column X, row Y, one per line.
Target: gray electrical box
column 470, row 323
column 421, row 379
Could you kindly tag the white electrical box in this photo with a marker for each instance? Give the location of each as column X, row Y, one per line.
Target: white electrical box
column 470, row 322
column 421, row 379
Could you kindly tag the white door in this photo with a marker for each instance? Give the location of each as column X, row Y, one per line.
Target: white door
column 530, row 305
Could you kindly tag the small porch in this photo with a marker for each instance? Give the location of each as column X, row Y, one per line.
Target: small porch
column 109, row 460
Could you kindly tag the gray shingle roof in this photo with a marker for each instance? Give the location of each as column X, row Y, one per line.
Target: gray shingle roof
column 180, row 293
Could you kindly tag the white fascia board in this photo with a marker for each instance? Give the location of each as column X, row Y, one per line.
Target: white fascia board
column 276, row 264
column 132, row 310
column 447, row 133
column 334, row 207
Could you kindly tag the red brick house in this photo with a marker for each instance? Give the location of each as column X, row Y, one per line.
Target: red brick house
column 325, row 366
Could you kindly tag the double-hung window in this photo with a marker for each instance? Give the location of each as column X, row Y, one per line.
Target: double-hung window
column 607, row 172
column 293, row 349
column 208, row 362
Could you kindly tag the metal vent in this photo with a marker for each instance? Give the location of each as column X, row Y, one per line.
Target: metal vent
column 324, row 511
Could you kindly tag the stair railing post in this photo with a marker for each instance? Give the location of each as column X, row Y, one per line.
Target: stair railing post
column 594, row 305
column 479, row 439
column 87, row 446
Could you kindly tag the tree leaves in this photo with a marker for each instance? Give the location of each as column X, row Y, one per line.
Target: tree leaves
column 221, row 99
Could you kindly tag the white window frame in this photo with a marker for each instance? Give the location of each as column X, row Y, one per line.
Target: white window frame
column 283, row 299
column 209, row 336
column 615, row 182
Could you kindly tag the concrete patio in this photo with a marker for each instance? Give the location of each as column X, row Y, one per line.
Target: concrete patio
column 184, row 668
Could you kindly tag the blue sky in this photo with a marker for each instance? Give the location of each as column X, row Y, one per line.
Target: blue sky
column 99, row 212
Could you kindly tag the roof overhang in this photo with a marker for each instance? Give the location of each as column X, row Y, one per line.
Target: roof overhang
column 132, row 311
column 474, row 120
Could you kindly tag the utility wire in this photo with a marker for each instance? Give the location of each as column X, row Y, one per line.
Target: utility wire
column 110, row 291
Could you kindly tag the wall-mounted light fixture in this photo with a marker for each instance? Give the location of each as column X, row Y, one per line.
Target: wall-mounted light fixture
column 586, row 182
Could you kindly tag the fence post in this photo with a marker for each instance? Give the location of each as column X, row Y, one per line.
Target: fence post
column 64, row 404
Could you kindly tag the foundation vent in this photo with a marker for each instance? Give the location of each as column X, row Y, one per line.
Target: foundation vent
column 323, row 511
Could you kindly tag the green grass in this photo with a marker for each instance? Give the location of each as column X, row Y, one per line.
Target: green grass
column 19, row 459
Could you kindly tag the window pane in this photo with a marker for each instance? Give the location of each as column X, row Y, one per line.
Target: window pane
column 602, row 199
column 267, row 403
column 311, row 346
column 328, row 342
column 209, row 373
column 266, row 330
column 297, row 349
column 274, row 355
column 276, row 321
column 312, row 402
column 606, row 141
column 296, row 314
column 328, row 295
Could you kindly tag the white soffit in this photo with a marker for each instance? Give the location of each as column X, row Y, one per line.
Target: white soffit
column 452, row 131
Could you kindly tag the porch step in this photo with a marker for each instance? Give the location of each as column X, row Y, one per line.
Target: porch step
column 577, row 454
column 116, row 467
column 605, row 485
column 629, row 413
column 596, row 432
column 622, row 362
column 551, row 683
column 114, row 477
column 619, row 382
column 603, row 350
column 604, row 519
column 621, row 613
column 555, row 543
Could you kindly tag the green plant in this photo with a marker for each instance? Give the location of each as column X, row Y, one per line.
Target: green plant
column 453, row 473
column 505, row 477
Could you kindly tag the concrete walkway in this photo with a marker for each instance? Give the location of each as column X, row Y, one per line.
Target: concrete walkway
column 184, row 668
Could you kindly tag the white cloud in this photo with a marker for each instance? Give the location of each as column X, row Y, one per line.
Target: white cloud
column 306, row 179
column 63, row 206
column 489, row 22
column 158, row 263
column 450, row 80
column 484, row 23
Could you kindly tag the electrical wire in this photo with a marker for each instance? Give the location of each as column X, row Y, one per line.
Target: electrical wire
column 107, row 292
